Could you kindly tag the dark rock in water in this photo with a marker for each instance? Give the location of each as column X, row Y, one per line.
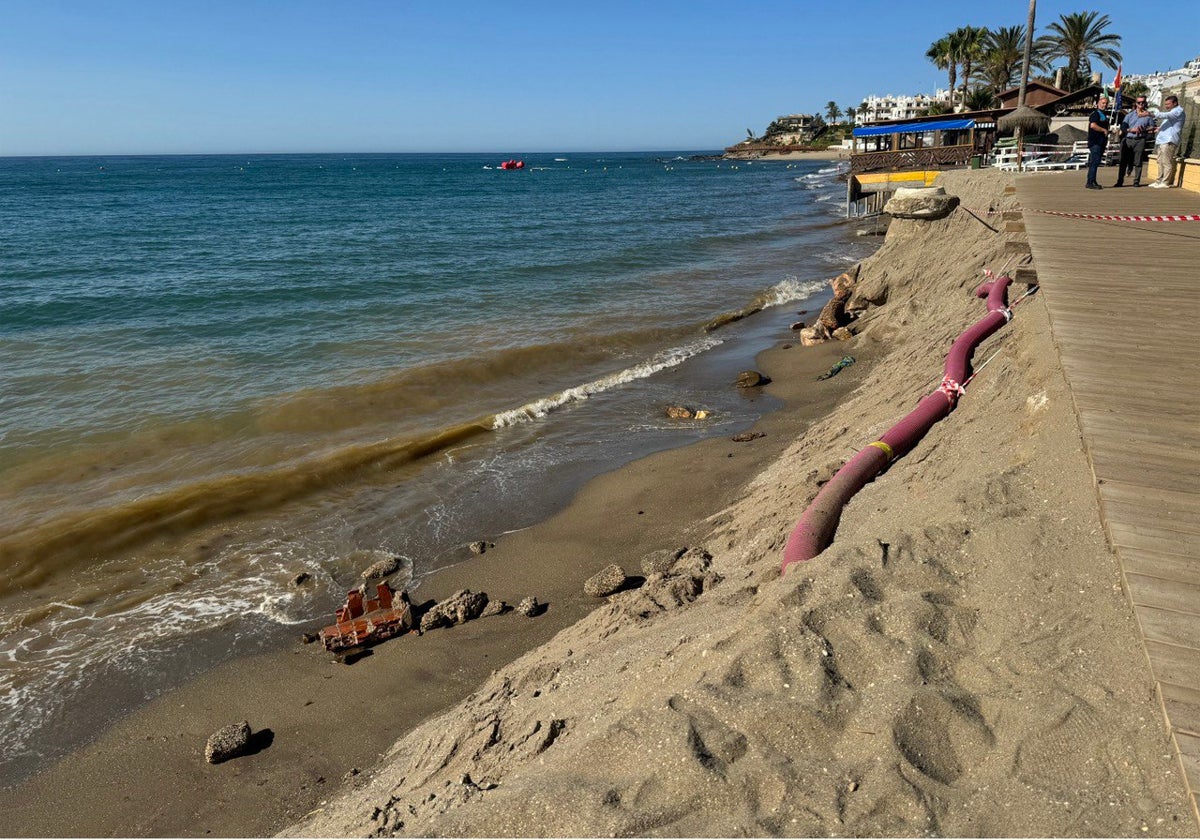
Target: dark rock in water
column 480, row 546
column 751, row 379
column 801, row 311
column 309, row 638
column 661, row 561
column 799, row 325
column 494, row 608
column 679, row 412
column 529, row 607
column 227, row 742
column 302, row 577
column 381, row 568
column 605, row 582
column 460, row 607
column 742, row 437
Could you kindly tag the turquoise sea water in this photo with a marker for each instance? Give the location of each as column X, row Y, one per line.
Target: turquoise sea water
column 219, row 371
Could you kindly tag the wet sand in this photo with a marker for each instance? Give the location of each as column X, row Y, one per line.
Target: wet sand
column 146, row 776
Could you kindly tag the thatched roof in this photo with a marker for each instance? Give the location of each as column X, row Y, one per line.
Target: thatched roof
column 1029, row 120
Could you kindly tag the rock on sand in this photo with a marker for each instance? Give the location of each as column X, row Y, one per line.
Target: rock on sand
column 460, row 607
column 227, row 742
column 605, row 582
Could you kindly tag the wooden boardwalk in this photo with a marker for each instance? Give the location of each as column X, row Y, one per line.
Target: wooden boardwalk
column 1124, row 303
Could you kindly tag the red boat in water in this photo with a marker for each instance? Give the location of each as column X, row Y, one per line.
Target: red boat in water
column 513, row 164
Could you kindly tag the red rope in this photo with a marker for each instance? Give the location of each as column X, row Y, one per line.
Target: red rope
column 1106, row 218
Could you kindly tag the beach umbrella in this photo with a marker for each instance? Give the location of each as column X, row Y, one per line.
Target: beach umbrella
column 1027, row 120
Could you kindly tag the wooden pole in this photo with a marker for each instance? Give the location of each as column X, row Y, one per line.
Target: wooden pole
column 1024, row 82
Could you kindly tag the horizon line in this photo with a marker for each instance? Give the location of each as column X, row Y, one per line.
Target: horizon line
column 5, row 156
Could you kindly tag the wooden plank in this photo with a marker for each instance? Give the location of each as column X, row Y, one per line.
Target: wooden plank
column 1165, row 565
column 1173, row 664
column 1189, row 751
column 1182, row 704
column 1126, row 536
column 1114, row 468
column 1165, row 625
column 1153, row 514
column 1118, row 490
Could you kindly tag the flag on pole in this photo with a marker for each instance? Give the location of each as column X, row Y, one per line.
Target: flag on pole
column 1117, row 90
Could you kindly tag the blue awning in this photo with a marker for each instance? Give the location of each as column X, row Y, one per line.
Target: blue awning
column 913, row 128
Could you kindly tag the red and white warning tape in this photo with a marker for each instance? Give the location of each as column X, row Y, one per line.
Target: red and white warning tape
column 1108, row 218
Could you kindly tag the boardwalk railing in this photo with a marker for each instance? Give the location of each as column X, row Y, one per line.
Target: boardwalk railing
column 1038, row 156
column 930, row 157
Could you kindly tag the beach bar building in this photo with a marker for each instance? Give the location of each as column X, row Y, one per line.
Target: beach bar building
column 891, row 154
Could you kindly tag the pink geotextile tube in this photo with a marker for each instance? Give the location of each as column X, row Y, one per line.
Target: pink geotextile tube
column 814, row 532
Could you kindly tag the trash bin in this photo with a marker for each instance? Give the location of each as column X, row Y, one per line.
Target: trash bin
column 976, row 160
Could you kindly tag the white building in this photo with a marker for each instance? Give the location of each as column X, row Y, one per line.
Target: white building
column 1159, row 80
column 903, row 107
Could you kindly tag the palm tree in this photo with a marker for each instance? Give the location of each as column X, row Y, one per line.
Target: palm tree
column 1079, row 37
column 944, row 56
column 832, row 111
column 849, row 111
column 969, row 44
column 981, row 99
column 1002, row 56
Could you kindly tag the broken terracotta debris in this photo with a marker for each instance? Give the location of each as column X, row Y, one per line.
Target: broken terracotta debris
column 366, row 623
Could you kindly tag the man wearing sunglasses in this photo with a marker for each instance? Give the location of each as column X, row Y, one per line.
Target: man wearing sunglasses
column 1137, row 126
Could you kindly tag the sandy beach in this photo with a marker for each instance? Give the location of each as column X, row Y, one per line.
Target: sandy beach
column 961, row 661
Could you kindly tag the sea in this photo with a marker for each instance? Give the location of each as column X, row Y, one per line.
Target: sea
column 220, row 372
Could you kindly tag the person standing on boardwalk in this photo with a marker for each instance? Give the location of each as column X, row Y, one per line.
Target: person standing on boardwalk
column 1166, row 142
column 1137, row 126
column 1097, row 140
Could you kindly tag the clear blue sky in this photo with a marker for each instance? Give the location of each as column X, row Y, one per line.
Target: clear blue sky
column 191, row 76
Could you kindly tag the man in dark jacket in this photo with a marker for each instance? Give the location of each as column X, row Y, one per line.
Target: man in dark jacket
column 1097, row 140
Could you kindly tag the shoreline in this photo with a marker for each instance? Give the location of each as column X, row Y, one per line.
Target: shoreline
column 327, row 719
column 944, row 667
column 828, row 154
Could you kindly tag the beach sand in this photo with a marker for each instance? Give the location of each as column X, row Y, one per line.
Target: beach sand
column 961, row 661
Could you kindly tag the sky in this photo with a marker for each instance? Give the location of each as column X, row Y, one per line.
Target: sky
column 110, row 77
